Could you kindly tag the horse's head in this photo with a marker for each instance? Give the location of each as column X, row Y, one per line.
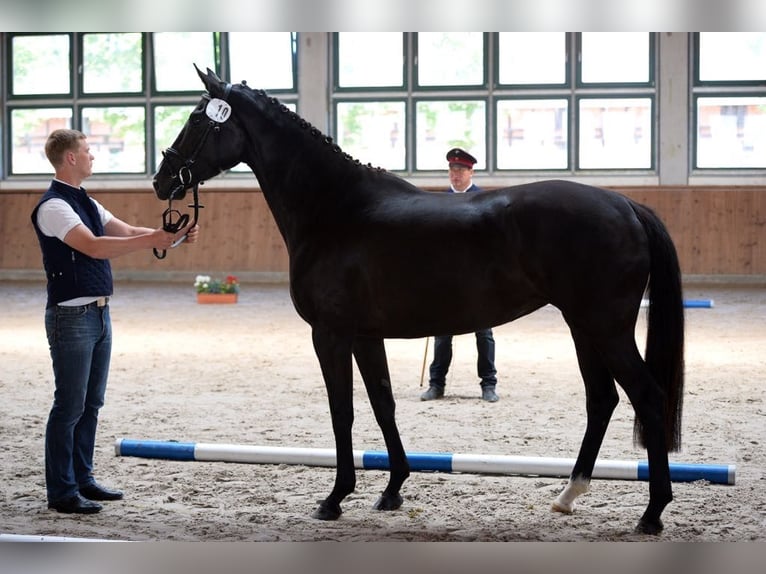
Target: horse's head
column 210, row 142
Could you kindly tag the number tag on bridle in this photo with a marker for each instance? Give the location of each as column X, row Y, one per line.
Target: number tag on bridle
column 218, row 110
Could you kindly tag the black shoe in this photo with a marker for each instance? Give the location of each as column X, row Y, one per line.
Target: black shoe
column 75, row 505
column 488, row 394
column 432, row 393
column 97, row 492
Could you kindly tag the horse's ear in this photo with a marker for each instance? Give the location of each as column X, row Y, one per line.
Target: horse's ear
column 202, row 76
column 212, row 82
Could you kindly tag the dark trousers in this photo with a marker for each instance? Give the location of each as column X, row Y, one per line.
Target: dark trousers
column 485, row 363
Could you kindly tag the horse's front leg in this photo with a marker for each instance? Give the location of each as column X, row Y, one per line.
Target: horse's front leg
column 370, row 357
column 334, row 353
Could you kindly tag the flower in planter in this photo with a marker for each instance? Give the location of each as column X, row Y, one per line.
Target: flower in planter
column 204, row 284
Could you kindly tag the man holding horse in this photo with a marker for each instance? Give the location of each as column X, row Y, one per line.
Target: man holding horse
column 77, row 238
column 461, row 181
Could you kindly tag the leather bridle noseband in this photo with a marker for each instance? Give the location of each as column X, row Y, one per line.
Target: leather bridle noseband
column 172, row 219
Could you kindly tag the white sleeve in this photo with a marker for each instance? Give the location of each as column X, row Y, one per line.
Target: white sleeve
column 56, row 218
column 103, row 212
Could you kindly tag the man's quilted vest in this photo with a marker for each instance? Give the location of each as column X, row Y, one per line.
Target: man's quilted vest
column 71, row 273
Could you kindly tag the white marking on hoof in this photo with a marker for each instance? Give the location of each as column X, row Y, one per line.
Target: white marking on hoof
column 565, row 501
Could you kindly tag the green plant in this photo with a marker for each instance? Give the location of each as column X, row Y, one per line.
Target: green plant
column 204, row 284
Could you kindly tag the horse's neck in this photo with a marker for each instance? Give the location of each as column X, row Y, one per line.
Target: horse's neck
column 301, row 174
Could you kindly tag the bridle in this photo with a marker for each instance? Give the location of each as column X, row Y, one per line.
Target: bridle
column 172, row 219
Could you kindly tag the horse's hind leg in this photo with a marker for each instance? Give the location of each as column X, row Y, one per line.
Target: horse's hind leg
column 370, row 357
column 647, row 399
column 601, row 399
column 334, row 353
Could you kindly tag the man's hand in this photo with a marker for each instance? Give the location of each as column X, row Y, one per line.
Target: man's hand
column 192, row 234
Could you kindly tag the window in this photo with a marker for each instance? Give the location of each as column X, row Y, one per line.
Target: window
column 116, row 136
column 615, row 133
column 444, row 124
column 546, row 67
column 615, row 58
column 112, row 63
column 266, row 60
column 110, row 99
column 369, row 60
column 532, row 133
column 174, row 54
column 40, row 65
column 729, row 98
column 373, row 132
column 29, row 130
column 450, row 59
column 512, row 99
column 731, row 132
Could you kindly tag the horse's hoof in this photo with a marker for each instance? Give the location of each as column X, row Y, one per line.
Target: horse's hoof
column 327, row 511
column 557, row 506
column 388, row 502
column 649, row 527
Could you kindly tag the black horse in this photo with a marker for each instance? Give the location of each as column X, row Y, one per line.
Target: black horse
column 373, row 257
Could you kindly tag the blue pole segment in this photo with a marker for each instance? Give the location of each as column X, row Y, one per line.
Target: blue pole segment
column 169, row 450
column 420, row 461
column 680, row 472
column 698, row 303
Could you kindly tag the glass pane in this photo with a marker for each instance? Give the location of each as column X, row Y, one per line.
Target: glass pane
column 615, row 133
column 174, row 54
column 168, row 122
column 732, row 56
column 370, row 59
column 246, row 54
column 450, row 59
column 615, row 57
column 112, row 63
column 442, row 125
column 116, row 138
column 29, row 131
column 373, row 132
column 532, row 134
column 548, row 66
column 40, row 65
column 731, row 132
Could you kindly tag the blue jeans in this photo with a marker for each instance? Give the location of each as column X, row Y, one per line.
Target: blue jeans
column 485, row 363
column 80, row 341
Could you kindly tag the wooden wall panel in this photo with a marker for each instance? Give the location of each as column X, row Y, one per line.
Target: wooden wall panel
column 718, row 230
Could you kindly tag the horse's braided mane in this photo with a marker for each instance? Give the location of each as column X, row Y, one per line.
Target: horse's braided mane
column 313, row 131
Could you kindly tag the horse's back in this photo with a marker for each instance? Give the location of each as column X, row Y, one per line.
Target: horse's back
column 583, row 246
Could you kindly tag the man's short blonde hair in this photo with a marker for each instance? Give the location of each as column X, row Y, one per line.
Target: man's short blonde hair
column 61, row 141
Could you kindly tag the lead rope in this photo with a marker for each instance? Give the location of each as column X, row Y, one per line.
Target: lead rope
column 173, row 226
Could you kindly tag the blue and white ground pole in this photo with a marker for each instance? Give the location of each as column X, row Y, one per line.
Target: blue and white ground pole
column 419, row 461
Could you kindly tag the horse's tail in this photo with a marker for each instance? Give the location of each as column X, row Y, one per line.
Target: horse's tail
column 664, row 354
